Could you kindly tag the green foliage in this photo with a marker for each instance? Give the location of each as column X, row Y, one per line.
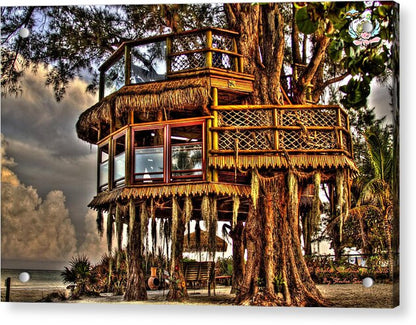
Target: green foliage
column 225, row 265
column 79, row 273
column 305, row 22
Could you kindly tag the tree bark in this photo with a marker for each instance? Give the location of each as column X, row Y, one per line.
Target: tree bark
column 135, row 288
column 177, row 283
column 238, row 257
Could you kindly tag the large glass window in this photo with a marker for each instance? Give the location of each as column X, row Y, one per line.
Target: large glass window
column 119, row 160
column 186, row 152
column 148, row 155
column 103, row 156
column 115, row 77
column 148, row 62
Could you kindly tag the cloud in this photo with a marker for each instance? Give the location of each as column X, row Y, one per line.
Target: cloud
column 42, row 140
column 93, row 246
column 40, row 231
column 35, row 229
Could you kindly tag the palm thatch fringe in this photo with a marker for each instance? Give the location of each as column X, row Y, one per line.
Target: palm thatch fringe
column 255, row 187
column 300, row 161
column 236, row 206
column 132, row 217
column 200, row 241
column 316, row 202
column 110, row 229
column 171, row 95
column 100, row 222
column 103, row 199
column 174, row 229
column 339, row 185
column 153, row 225
column 119, row 232
column 213, row 227
column 206, row 211
column 293, row 200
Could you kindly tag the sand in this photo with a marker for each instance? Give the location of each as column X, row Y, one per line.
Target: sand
column 341, row 295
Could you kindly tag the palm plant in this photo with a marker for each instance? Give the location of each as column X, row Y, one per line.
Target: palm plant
column 374, row 205
column 78, row 273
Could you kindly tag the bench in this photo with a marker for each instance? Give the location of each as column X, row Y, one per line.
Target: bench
column 199, row 273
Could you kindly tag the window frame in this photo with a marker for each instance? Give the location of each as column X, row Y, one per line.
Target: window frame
column 105, row 186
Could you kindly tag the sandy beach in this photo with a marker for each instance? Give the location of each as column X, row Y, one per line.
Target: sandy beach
column 341, row 295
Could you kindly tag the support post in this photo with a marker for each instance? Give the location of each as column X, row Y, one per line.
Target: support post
column 215, row 133
column 209, row 47
column 127, row 65
column 7, row 283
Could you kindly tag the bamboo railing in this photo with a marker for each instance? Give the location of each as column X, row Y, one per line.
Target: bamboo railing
column 264, row 129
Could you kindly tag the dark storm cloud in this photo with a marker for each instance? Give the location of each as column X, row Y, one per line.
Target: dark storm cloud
column 37, row 119
column 43, row 142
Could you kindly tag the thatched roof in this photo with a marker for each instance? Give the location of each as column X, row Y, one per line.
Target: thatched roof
column 167, row 190
column 191, row 244
column 170, row 95
column 279, row 161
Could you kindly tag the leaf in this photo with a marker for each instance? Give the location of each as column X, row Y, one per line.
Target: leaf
column 305, row 24
column 335, row 50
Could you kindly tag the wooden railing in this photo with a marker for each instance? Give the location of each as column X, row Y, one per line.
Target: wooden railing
column 159, row 57
column 258, row 129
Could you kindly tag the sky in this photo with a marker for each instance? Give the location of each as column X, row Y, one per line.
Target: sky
column 48, row 178
column 49, row 175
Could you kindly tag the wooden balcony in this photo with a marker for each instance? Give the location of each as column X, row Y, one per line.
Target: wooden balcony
column 268, row 135
column 170, row 56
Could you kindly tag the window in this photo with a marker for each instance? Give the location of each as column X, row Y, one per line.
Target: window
column 186, row 152
column 148, row 62
column 103, row 156
column 119, row 160
column 148, row 155
column 114, row 77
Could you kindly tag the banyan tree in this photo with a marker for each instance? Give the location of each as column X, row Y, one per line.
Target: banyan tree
column 186, row 134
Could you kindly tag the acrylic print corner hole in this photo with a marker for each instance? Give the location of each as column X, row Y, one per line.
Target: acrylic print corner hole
column 187, row 174
column 24, row 277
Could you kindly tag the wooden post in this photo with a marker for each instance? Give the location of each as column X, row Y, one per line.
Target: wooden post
column 7, row 283
column 110, row 163
column 236, row 59
column 168, row 53
column 340, row 144
column 102, row 85
column 209, row 47
column 129, row 156
column 215, row 133
column 127, row 65
column 276, row 131
column 208, row 148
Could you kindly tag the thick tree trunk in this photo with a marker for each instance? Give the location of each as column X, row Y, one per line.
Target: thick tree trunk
column 177, row 283
column 135, row 288
column 238, row 257
column 274, row 247
column 307, row 232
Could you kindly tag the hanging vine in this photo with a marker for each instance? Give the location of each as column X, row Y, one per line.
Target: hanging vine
column 144, row 222
column 100, row 222
column 174, row 229
column 236, row 207
column 255, row 187
column 339, row 179
column 316, row 203
column 110, row 229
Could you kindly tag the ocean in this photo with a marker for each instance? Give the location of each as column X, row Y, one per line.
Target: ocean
column 41, row 283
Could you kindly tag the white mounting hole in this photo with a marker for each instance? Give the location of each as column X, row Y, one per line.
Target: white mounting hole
column 368, row 282
column 24, row 32
column 24, row 277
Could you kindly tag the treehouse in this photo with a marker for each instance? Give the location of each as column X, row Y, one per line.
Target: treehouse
column 174, row 128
